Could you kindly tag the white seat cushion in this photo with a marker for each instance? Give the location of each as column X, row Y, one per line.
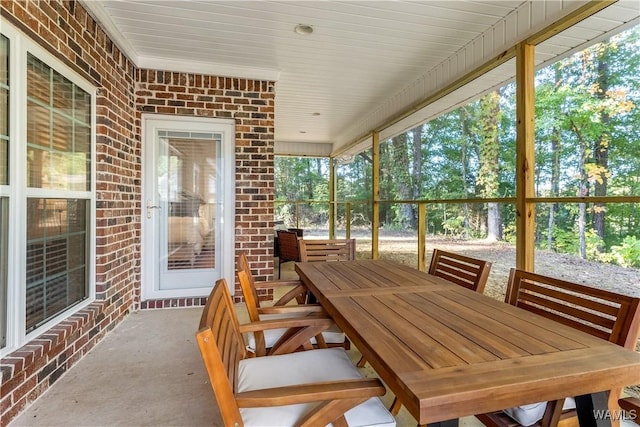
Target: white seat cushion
column 527, row 415
column 302, row 368
column 333, row 335
column 530, row 414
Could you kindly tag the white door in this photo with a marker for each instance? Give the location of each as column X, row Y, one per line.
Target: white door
column 187, row 206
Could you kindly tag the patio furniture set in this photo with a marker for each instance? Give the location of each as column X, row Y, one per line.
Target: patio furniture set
column 554, row 353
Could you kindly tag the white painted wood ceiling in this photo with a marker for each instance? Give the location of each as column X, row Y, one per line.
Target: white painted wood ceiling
column 360, row 55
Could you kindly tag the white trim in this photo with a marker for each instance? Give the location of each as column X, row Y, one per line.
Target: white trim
column 316, row 149
column 149, row 273
column 208, row 68
column 13, row 337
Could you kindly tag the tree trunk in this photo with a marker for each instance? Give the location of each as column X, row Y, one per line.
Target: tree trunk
column 416, row 180
column 494, row 222
column 399, row 164
column 582, row 219
column 584, row 191
column 489, row 173
column 464, row 118
column 555, row 171
column 601, row 150
column 555, row 183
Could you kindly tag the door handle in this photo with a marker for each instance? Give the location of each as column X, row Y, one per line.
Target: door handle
column 150, row 208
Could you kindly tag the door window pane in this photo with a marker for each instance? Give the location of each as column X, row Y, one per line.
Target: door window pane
column 187, row 183
column 56, row 257
column 58, row 130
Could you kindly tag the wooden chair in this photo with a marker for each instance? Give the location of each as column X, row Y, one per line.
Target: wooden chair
column 260, row 341
column 631, row 405
column 604, row 314
column 297, row 289
column 462, row 270
column 465, row 271
column 307, row 388
column 327, row 250
column 288, row 249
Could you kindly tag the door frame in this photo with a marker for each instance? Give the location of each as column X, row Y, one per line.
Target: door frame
column 225, row 220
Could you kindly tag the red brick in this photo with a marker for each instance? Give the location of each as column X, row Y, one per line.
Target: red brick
column 25, row 388
column 8, row 386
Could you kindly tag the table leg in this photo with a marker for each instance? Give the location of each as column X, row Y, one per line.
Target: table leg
column 593, row 409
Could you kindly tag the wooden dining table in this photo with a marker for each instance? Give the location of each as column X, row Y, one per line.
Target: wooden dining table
column 447, row 352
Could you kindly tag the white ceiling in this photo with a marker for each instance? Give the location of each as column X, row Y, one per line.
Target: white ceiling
column 360, row 55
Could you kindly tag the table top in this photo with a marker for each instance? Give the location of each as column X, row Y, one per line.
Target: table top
column 448, row 352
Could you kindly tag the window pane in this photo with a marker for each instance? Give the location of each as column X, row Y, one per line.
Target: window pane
column 58, row 131
column 56, row 257
column 62, row 134
column 82, row 111
column 62, row 94
column 4, row 60
column 38, row 78
column 3, row 270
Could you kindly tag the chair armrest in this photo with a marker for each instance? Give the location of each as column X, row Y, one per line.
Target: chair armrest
column 300, row 331
column 277, row 283
column 298, row 291
column 289, row 322
column 314, row 392
column 292, row 309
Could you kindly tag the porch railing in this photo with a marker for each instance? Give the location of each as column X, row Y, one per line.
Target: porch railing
column 299, row 219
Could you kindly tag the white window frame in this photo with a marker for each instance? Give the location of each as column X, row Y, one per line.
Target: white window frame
column 18, row 192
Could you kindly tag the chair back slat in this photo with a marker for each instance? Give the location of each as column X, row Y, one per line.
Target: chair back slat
column 327, row 250
column 605, row 314
column 252, row 299
column 585, row 311
column 462, row 270
column 569, row 321
column 222, row 347
column 248, row 291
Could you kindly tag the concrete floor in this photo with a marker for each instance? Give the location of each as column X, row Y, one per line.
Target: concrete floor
column 146, row 372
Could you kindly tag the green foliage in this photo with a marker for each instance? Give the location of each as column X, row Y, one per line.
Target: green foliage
column 509, row 233
column 565, row 241
column 627, row 254
column 454, row 226
column 593, row 243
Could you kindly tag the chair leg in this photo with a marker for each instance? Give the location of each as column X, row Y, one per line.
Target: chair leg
column 395, row 406
column 361, row 362
column 279, row 264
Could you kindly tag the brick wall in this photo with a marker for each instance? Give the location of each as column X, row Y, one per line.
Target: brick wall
column 66, row 30
column 251, row 104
